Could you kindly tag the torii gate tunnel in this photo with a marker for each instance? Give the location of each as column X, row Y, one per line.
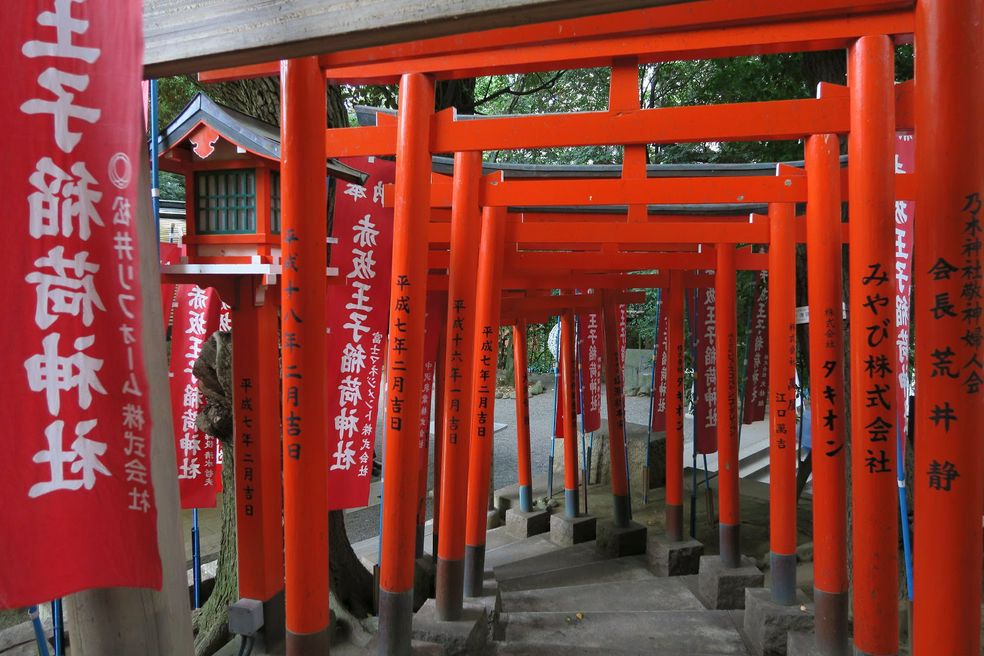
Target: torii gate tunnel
column 500, row 253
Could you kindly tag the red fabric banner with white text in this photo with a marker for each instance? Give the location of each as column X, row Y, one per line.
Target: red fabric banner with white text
column 662, row 360
column 589, row 360
column 905, row 158
column 358, row 312
column 706, row 368
column 78, row 507
column 757, row 355
column 196, row 317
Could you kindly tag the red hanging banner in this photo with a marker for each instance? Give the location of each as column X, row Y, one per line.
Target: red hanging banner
column 658, row 418
column 358, row 311
column 78, row 502
column 905, row 156
column 589, row 364
column 706, row 365
column 437, row 307
column 757, row 369
column 196, row 317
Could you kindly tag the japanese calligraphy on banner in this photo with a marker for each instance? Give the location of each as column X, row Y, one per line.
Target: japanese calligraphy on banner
column 905, row 157
column 358, row 311
column 757, row 355
column 706, row 365
column 76, row 439
column 437, row 307
column 589, row 362
column 662, row 361
column 196, row 317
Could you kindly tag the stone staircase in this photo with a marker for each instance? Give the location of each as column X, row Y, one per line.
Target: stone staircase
column 542, row 599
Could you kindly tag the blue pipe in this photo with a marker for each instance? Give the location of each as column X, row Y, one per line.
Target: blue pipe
column 38, row 631
column 58, row 626
column 155, row 186
column 904, row 513
column 196, row 558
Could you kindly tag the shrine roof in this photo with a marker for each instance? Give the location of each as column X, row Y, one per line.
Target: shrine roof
column 256, row 136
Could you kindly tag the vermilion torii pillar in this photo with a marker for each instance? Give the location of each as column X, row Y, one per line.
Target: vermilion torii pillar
column 875, row 528
column 570, row 417
column 828, row 416
column 458, row 364
column 674, row 408
column 522, row 383
column 488, row 300
column 408, row 300
column 303, row 289
column 726, row 360
column 616, row 410
column 782, row 402
column 949, row 474
column 256, row 406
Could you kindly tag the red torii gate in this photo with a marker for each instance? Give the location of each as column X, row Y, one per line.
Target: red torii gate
column 948, row 65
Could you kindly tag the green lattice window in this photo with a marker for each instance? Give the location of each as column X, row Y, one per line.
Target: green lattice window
column 275, row 202
column 226, row 202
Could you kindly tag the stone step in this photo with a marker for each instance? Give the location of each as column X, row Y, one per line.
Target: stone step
column 519, row 552
column 667, row 633
column 497, row 538
column 552, row 557
column 643, row 595
column 632, row 568
column 540, row 649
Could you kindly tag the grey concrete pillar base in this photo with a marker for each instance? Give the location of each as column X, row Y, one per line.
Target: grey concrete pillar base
column 723, row 588
column 730, row 539
column 527, row 524
column 449, row 587
column 674, row 523
column 424, row 575
column 783, row 568
column 525, row 498
column 395, row 622
column 301, row 644
column 571, row 502
column 493, row 519
column 767, row 624
column 617, row 541
column 832, row 632
column 274, row 620
column 474, row 569
column 464, row 636
column 566, row 531
column 673, row 558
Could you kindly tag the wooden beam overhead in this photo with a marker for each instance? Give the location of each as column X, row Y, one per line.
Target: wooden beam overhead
column 183, row 36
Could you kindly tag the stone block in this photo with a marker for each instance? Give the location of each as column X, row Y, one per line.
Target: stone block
column 668, row 558
column 567, row 532
column 465, row 636
column 767, row 624
column 601, row 470
column 801, row 643
column 524, row 525
column 723, row 588
column 616, row 542
column 424, row 576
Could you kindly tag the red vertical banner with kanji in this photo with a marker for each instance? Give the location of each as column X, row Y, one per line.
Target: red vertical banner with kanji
column 225, row 325
column 662, row 360
column 706, row 369
column 437, row 307
column 196, row 317
column 78, row 506
column 589, row 362
column 905, row 157
column 358, row 311
column 757, row 356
